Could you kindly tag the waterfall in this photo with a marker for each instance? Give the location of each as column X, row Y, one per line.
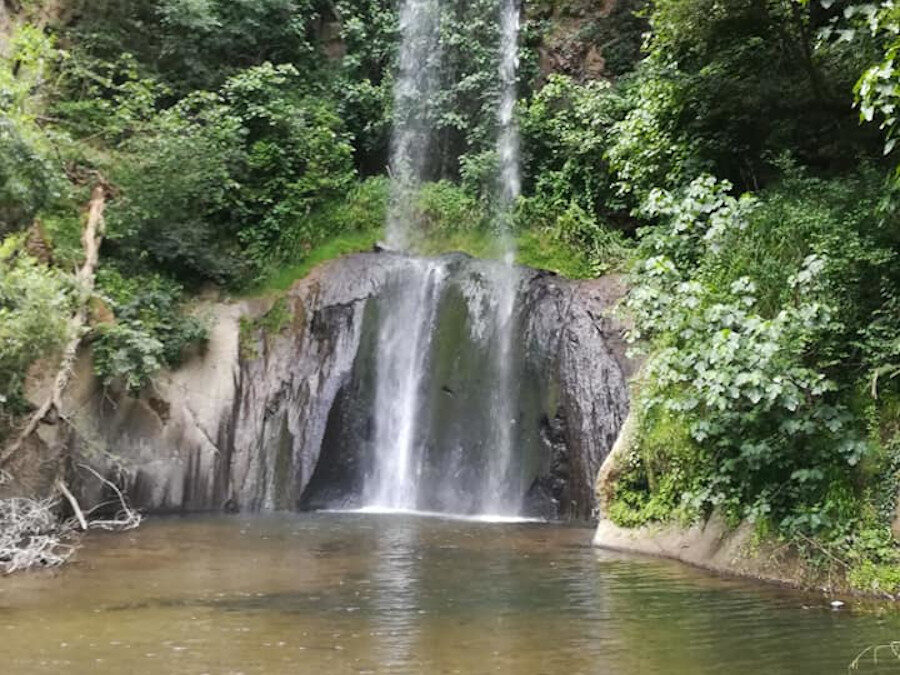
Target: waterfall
column 508, row 138
column 415, row 88
column 407, row 321
column 500, row 492
column 404, row 341
column 406, row 324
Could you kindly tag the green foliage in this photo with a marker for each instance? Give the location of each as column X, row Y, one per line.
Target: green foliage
column 755, row 313
column 281, row 278
column 566, row 131
column 198, row 44
column 571, row 200
column 877, row 91
column 570, row 241
column 444, row 207
column 178, row 181
column 737, row 372
column 219, row 180
column 733, row 84
column 658, row 473
column 649, row 146
column 341, row 225
column 273, row 322
column 149, row 328
column 29, row 177
column 364, row 89
column 128, row 354
column 35, row 302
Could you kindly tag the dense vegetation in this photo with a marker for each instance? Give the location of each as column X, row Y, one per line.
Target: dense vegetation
column 739, row 160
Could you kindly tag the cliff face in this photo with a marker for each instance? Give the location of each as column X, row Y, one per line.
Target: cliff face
column 276, row 413
column 589, row 40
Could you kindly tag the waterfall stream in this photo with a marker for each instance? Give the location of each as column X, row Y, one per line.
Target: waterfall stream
column 403, row 350
column 415, row 87
column 406, row 323
column 404, row 343
column 501, row 498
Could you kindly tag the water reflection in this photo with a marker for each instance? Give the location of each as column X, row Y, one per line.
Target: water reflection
column 360, row 593
column 395, row 611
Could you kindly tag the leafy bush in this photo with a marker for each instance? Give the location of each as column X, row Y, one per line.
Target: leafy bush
column 649, row 147
column 566, row 131
column 149, row 329
column 176, row 187
column 753, row 310
column 126, row 353
column 192, row 45
column 29, row 177
column 35, row 302
column 218, row 179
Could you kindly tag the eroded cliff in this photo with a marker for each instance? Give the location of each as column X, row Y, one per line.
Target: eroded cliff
column 276, row 414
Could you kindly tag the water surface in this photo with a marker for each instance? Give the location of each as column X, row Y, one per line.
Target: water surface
column 368, row 593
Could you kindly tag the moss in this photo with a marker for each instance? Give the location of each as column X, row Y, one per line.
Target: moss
column 276, row 319
column 283, row 277
column 273, row 322
column 877, row 578
column 247, row 346
column 537, row 248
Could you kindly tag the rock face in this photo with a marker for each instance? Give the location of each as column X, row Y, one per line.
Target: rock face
column 276, row 413
column 569, row 375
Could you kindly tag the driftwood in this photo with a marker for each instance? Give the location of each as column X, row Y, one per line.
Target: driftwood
column 91, row 238
column 126, row 518
column 31, row 534
column 76, row 507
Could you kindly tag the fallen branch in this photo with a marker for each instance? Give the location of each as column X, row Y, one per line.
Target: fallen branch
column 32, row 536
column 874, row 651
column 73, row 503
column 126, row 519
column 91, row 238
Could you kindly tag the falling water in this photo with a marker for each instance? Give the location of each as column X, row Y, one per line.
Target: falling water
column 501, row 491
column 508, row 140
column 415, row 87
column 404, row 342
column 406, row 323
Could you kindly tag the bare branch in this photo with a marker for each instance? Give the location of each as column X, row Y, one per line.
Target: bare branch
column 74, row 503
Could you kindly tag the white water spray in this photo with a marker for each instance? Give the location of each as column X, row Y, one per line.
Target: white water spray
column 508, row 139
column 404, row 343
column 407, row 322
column 415, row 89
column 502, row 492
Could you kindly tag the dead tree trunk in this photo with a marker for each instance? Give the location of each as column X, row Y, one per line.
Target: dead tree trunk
column 91, row 238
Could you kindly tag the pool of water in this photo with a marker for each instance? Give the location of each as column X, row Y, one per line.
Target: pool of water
column 381, row 593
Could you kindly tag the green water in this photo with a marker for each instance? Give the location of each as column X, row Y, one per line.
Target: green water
column 339, row 593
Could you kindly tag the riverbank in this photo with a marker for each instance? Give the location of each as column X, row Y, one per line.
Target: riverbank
column 713, row 544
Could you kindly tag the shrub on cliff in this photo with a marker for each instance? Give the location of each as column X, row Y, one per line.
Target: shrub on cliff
column 212, row 186
column 35, row 302
column 757, row 314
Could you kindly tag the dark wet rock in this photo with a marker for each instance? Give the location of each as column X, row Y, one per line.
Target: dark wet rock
column 570, row 371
